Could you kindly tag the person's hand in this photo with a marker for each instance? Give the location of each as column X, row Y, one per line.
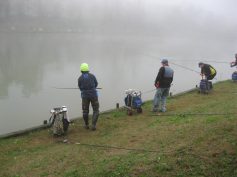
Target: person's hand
column 157, row 85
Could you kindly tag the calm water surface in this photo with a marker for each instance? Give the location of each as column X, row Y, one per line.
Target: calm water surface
column 32, row 64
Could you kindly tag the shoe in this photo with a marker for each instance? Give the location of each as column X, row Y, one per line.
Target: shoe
column 86, row 126
column 154, row 110
column 93, row 128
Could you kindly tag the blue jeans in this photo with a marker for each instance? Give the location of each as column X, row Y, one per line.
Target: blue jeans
column 160, row 97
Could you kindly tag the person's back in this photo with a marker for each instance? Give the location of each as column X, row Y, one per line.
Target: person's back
column 87, row 83
column 165, row 77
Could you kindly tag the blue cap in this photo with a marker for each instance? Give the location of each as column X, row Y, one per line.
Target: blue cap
column 200, row 63
column 164, row 61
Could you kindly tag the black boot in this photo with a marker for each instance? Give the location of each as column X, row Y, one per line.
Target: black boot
column 94, row 120
column 210, row 84
column 86, row 120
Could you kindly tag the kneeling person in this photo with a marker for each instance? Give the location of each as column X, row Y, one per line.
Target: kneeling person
column 207, row 70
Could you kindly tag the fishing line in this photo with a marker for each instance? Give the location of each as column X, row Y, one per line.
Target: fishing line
column 97, row 146
column 117, row 147
column 184, row 151
column 193, row 114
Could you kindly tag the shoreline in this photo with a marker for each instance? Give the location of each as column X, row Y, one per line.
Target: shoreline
column 45, row 126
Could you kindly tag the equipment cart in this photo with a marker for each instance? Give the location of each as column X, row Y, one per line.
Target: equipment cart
column 133, row 101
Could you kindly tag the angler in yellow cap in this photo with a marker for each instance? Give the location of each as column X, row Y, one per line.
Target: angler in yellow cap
column 87, row 83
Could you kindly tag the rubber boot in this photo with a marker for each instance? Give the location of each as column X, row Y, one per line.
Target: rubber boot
column 94, row 120
column 210, row 84
column 86, row 120
column 65, row 125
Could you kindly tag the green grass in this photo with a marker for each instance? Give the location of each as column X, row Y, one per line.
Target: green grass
column 185, row 145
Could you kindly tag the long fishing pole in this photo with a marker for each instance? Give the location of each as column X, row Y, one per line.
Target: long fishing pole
column 71, row 88
column 177, row 64
column 185, row 67
column 211, row 61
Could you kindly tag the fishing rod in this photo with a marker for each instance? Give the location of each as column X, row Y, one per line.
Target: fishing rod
column 71, row 88
column 185, row 67
column 176, row 64
column 148, row 91
column 211, row 61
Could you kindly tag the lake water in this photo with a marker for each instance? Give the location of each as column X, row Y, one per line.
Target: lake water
column 43, row 43
column 32, row 64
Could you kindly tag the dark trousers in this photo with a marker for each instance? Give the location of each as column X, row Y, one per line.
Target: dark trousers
column 85, row 108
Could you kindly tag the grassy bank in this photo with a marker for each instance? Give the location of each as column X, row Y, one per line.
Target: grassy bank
column 181, row 144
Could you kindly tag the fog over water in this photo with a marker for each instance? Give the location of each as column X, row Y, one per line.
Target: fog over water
column 43, row 43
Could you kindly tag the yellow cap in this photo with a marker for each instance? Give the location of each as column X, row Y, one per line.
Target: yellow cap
column 84, row 67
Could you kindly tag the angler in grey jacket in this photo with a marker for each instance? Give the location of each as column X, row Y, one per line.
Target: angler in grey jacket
column 162, row 83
